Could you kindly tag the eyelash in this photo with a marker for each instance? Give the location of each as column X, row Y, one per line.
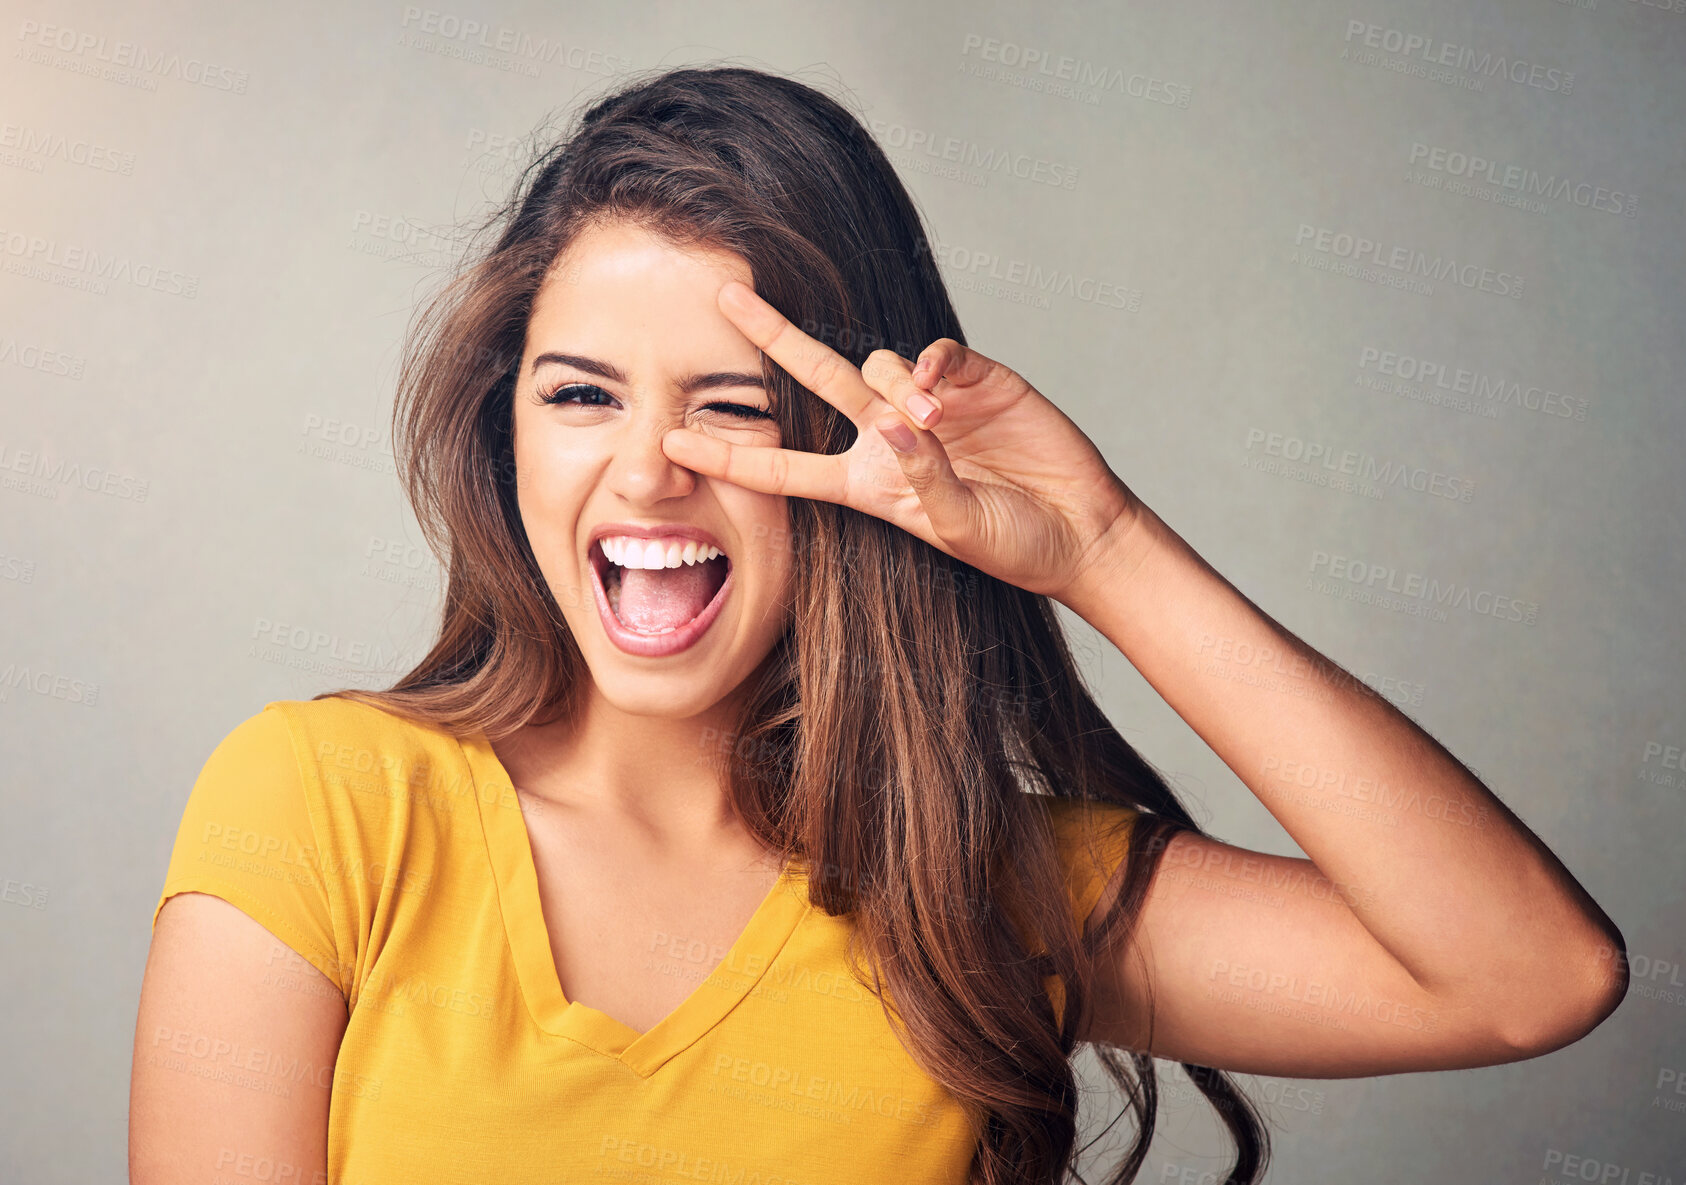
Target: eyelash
column 565, row 392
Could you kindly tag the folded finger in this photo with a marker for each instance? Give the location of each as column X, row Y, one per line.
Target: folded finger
column 891, row 376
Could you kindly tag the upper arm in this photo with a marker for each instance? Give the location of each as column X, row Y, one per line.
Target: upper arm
column 1257, row 963
column 235, row 1044
column 244, row 999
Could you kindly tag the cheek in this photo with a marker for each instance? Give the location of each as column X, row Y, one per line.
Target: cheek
column 550, row 470
column 764, row 524
column 774, row 555
column 550, row 488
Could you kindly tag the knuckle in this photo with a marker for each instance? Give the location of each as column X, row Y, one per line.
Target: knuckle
column 729, row 461
column 826, row 368
column 879, row 366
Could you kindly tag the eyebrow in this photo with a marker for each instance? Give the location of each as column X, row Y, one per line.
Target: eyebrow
column 690, row 383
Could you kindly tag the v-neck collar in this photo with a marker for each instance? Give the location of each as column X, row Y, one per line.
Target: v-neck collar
column 510, row 852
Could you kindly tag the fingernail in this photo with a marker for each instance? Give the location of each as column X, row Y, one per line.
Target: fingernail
column 899, row 436
column 920, row 406
column 921, row 367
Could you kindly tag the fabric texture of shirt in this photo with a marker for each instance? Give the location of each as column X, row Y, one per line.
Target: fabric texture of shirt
column 394, row 858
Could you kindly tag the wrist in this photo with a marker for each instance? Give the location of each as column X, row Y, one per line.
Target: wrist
column 1114, row 563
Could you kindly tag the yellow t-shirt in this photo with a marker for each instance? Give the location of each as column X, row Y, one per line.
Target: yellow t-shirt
column 395, row 859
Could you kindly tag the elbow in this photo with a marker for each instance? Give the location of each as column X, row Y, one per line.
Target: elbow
column 1584, row 985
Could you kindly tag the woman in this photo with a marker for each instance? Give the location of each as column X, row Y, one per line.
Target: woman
column 750, row 817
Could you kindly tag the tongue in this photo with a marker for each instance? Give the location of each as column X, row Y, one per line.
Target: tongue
column 654, row 598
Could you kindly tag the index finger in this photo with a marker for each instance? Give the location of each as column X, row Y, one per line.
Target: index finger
column 816, row 366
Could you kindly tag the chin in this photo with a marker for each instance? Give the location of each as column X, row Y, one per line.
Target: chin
column 669, row 695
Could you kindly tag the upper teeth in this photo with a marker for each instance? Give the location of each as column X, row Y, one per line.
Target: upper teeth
column 672, row 552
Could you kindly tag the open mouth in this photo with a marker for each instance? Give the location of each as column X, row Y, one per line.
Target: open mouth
column 655, row 600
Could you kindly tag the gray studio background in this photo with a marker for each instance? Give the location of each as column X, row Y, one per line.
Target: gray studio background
column 207, row 265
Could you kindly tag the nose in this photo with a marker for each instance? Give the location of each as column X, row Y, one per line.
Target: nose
column 639, row 472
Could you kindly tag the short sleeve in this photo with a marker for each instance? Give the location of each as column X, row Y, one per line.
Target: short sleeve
column 247, row 836
column 1093, row 839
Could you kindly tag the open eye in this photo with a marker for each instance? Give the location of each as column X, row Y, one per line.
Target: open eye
column 569, row 393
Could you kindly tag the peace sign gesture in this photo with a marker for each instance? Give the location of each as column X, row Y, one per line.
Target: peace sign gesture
column 993, row 473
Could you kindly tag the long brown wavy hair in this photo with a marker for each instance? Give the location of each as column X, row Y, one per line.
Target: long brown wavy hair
column 891, row 736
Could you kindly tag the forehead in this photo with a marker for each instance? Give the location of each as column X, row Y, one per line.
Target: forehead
column 617, row 281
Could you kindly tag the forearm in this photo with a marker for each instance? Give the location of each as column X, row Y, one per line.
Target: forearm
column 1446, row 879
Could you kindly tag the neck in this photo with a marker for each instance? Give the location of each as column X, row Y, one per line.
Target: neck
column 656, row 772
